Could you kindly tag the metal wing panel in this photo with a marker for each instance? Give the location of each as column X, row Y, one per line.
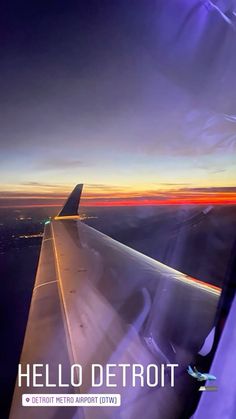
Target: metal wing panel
column 98, row 301
column 101, row 283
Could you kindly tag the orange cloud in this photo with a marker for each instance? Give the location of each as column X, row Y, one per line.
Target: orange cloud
column 104, row 197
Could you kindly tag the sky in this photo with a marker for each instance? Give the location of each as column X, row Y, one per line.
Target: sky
column 133, row 98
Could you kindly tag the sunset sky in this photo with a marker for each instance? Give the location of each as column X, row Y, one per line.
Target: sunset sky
column 135, row 102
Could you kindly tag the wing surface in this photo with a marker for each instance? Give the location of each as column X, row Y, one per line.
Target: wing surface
column 97, row 301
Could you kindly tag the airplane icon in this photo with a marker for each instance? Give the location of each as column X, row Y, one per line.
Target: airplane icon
column 199, row 375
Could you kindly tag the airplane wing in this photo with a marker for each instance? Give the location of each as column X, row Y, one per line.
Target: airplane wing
column 97, row 301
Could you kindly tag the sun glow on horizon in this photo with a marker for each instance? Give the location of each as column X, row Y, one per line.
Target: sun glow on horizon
column 105, row 196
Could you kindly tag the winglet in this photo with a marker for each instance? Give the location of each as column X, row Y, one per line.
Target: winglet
column 71, row 207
